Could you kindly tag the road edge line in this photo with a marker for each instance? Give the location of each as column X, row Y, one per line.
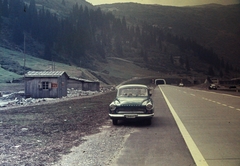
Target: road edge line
column 196, row 154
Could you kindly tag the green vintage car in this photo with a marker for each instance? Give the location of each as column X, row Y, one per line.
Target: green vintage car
column 133, row 102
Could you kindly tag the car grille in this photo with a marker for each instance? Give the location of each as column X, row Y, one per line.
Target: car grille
column 131, row 110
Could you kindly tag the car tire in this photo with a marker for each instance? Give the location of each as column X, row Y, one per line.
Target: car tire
column 115, row 122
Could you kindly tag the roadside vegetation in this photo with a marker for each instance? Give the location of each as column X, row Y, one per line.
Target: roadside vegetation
column 111, row 73
column 86, row 37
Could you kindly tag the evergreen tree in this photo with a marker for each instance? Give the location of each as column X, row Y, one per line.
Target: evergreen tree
column 211, row 71
column 123, row 28
column 181, row 60
column 32, row 7
column 137, row 32
column 227, row 68
column 1, row 8
column 5, row 8
column 63, row 3
column 171, row 59
column 118, row 45
column 222, row 63
column 187, row 64
column 144, row 55
column 47, row 52
column 18, row 35
column 101, row 52
column 221, row 73
column 32, row 19
column 15, row 8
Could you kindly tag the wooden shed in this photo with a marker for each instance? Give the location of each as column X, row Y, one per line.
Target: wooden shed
column 83, row 84
column 91, row 86
column 46, row 84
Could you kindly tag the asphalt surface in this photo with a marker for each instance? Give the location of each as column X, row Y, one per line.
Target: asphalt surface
column 212, row 120
column 157, row 145
column 190, row 127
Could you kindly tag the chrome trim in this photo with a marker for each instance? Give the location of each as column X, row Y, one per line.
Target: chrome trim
column 146, row 115
column 130, row 112
column 137, row 115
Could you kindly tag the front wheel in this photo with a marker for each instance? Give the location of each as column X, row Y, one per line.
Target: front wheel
column 115, row 122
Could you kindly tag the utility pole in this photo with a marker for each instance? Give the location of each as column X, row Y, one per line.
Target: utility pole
column 24, row 45
column 53, row 65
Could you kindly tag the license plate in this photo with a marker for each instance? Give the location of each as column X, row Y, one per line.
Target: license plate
column 131, row 116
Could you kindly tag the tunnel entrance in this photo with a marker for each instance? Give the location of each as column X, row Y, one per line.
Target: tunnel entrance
column 160, row 81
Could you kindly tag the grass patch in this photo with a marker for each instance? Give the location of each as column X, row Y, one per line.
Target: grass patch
column 33, row 63
column 6, row 76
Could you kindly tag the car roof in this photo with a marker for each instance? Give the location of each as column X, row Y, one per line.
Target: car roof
column 133, row 85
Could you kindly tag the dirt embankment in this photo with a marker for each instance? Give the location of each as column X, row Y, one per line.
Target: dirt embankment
column 38, row 135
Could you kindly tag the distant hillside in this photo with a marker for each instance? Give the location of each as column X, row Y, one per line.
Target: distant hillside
column 213, row 26
column 60, row 6
column 168, row 42
column 113, row 72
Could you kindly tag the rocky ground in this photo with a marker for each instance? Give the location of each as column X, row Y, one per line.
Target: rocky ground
column 17, row 98
column 38, row 134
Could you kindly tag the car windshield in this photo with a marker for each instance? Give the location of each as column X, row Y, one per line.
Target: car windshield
column 128, row 92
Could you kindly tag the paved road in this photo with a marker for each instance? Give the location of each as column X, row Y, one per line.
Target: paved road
column 209, row 123
column 190, row 127
column 213, row 122
column 160, row 144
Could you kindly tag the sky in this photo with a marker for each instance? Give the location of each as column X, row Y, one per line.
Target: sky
column 167, row 2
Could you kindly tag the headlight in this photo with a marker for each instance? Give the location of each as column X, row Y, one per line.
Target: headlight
column 112, row 106
column 149, row 106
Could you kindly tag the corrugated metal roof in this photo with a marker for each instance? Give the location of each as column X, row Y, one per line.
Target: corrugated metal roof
column 45, row 73
column 81, row 79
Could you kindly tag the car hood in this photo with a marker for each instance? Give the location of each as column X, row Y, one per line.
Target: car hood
column 131, row 101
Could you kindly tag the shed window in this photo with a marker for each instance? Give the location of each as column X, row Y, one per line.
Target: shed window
column 45, row 85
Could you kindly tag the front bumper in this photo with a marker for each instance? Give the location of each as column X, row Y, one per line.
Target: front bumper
column 131, row 116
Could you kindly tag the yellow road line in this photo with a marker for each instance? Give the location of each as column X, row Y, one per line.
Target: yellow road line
column 196, row 154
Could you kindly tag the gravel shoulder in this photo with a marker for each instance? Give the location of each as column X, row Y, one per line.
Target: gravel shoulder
column 41, row 134
column 99, row 149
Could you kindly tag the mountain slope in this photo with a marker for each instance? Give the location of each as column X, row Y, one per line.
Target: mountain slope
column 113, row 72
column 60, row 6
column 149, row 39
column 212, row 26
